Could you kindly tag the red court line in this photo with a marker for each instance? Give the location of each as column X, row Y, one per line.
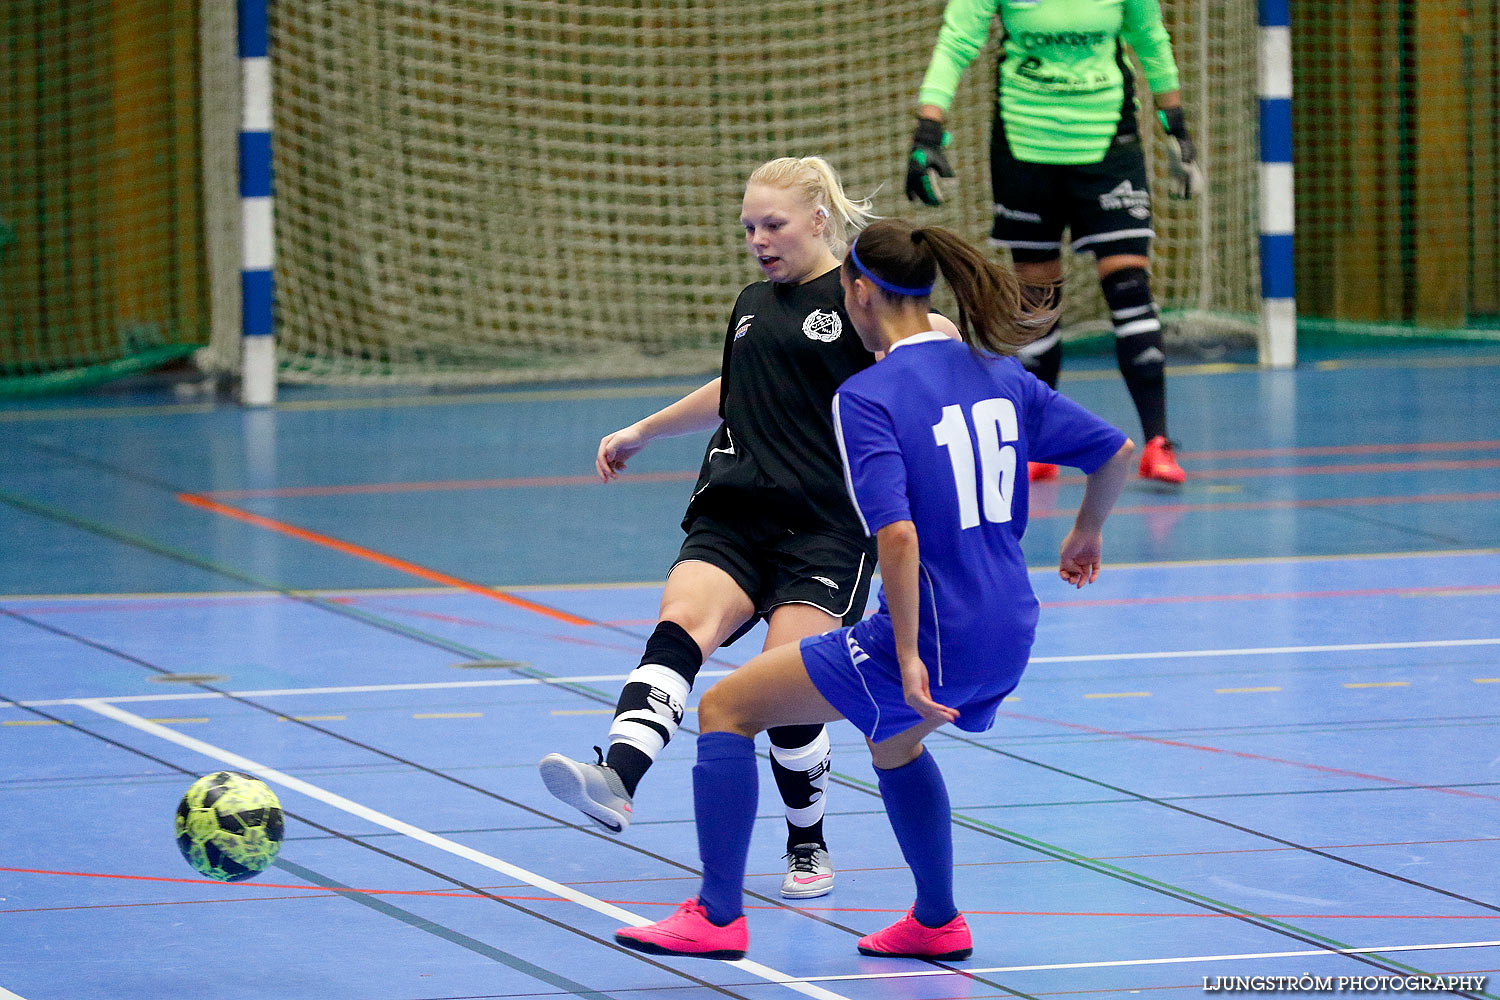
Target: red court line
column 318, row 890
column 390, row 562
column 1344, row 449
column 1289, row 596
column 442, row 484
column 523, row 482
column 1233, row 505
column 1322, row 768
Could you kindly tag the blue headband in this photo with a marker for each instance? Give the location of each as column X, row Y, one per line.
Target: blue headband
column 881, row 282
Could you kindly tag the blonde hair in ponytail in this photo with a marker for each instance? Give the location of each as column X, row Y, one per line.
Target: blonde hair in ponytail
column 817, row 185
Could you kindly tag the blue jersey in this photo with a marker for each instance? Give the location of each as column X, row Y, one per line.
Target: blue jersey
column 940, row 435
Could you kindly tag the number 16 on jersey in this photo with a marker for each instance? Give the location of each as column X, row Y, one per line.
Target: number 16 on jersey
column 992, row 484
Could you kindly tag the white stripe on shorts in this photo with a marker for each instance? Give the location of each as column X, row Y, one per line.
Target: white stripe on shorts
column 1118, row 234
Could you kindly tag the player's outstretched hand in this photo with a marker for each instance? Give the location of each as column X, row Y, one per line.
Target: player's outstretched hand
column 1184, row 173
column 1081, row 551
column 927, row 162
column 919, row 695
column 614, row 449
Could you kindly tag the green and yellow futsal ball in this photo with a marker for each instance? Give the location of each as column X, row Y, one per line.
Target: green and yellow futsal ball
column 229, row 826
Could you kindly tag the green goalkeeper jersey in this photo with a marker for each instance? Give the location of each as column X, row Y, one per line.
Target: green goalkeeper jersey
column 1065, row 86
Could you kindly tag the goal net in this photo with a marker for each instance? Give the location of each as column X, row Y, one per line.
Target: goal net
column 100, row 212
column 476, row 191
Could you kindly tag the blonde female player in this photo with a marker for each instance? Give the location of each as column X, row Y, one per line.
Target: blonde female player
column 935, row 440
column 770, row 530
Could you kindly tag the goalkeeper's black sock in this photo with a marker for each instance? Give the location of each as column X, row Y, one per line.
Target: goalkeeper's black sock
column 1043, row 356
column 1138, row 345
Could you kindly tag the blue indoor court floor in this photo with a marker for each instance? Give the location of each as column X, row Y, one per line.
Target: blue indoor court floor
column 1265, row 744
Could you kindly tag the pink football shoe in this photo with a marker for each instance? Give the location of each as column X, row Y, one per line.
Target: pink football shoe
column 689, row 933
column 907, row 938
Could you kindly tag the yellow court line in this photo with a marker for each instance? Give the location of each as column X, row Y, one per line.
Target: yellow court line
column 36, row 722
column 1120, row 694
column 1244, row 690
column 447, row 715
column 1487, row 680
column 1380, row 684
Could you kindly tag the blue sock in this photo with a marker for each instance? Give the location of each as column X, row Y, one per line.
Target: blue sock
column 916, row 802
column 724, row 797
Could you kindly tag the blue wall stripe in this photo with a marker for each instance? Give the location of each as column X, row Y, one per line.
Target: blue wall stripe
column 254, row 29
column 1275, row 130
column 255, row 164
column 1276, row 281
column 256, row 297
column 1275, row 14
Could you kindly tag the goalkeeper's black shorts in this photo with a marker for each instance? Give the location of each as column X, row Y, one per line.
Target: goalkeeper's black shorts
column 1104, row 206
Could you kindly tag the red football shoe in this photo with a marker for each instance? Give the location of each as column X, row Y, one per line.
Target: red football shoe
column 1040, row 471
column 688, row 933
column 907, row 938
column 1158, row 462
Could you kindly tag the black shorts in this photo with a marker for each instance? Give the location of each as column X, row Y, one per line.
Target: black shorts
column 1106, row 206
column 775, row 565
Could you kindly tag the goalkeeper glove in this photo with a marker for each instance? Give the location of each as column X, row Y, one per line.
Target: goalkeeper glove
column 927, row 162
column 1186, row 176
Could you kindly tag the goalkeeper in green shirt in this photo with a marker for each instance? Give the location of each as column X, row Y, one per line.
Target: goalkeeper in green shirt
column 1065, row 152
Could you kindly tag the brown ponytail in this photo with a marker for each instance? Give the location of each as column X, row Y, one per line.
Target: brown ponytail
column 994, row 313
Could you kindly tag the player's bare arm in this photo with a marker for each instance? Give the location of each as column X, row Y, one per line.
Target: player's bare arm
column 897, row 544
column 1083, row 548
column 697, row 411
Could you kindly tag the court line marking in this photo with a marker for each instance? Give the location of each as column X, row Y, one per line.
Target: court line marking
column 379, row 558
column 685, row 475
column 1184, row 960
column 355, row 593
column 6, row 994
column 599, row 678
column 425, row 837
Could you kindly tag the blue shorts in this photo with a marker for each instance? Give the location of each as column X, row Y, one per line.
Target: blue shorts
column 864, row 684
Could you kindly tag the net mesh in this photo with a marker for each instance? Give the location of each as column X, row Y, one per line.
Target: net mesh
column 100, row 272
column 1397, row 145
column 486, row 191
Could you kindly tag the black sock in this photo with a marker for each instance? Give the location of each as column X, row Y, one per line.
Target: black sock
column 800, row 764
column 1138, row 345
column 652, row 701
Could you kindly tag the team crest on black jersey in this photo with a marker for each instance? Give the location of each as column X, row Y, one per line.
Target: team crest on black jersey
column 743, row 326
column 823, row 325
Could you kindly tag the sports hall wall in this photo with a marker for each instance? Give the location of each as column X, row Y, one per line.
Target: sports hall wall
column 471, row 191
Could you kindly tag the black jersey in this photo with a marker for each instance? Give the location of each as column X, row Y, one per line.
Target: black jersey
column 787, row 349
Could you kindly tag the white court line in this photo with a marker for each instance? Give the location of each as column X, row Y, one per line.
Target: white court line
column 1155, row 961
column 431, row 839
column 596, row 678
column 350, row 689
column 6, row 994
column 1357, row 647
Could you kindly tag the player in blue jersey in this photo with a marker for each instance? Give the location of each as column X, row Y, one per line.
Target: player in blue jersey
column 934, row 439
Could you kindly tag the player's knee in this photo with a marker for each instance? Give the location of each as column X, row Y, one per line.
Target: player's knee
column 1126, row 285
column 891, row 754
column 721, row 710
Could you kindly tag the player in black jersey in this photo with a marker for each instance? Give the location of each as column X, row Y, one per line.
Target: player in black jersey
column 770, row 529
